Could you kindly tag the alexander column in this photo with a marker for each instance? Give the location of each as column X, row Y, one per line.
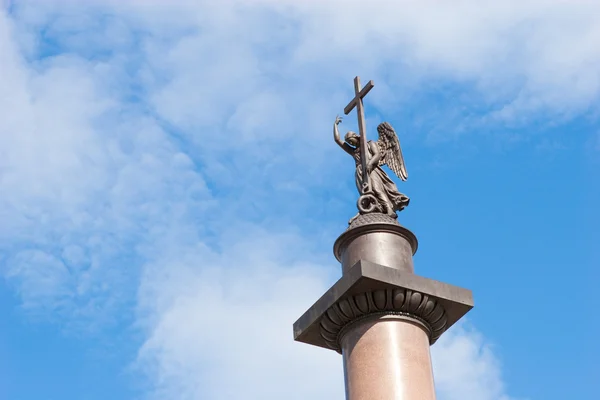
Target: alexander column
column 380, row 316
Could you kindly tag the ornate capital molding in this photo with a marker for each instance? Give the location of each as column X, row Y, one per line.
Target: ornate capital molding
column 373, row 218
column 404, row 302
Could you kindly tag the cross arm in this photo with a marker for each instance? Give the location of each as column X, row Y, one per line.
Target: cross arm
column 359, row 95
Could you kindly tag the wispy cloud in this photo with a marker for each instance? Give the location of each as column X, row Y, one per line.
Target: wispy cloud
column 222, row 323
column 86, row 180
column 133, row 132
column 465, row 366
column 223, row 330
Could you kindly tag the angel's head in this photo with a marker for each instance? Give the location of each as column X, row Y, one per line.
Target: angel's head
column 352, row 138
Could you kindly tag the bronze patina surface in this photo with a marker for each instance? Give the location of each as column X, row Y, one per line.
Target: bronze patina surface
column 379, row 315
column 378, row 193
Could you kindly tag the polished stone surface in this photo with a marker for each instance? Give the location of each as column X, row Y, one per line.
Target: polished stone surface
column 381, row 316
column 381, row 241
column 387, row 358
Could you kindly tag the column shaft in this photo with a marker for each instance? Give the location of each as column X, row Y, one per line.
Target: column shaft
column 387, row 358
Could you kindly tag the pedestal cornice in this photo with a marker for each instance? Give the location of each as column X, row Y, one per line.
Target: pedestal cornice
column 369, row 288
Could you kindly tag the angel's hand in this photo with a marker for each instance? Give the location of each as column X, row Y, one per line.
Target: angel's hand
column 338, row 119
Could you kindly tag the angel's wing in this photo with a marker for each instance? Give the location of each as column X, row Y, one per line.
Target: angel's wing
column 391, row 151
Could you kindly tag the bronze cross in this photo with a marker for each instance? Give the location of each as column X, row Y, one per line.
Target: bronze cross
column 362, row 129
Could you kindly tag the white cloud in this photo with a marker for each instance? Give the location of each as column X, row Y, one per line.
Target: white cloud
column 525, row 57
column 44, row 279
column 98, row 188
column 222, row 329
column 81, row 170
column 465, row 366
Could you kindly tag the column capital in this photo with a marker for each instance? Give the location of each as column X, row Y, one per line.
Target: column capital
column 426, row 311
column 372, row 289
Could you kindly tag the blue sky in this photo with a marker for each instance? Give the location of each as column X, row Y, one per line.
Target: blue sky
column 171, row 190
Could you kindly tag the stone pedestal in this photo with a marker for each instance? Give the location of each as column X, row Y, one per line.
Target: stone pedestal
column 381, row 316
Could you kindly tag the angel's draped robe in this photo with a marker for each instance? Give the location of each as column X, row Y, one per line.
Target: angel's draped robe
column 383, row 188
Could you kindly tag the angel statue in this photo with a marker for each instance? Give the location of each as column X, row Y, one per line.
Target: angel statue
column 382, row 191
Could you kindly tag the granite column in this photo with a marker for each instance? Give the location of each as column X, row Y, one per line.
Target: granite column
column 381, row 316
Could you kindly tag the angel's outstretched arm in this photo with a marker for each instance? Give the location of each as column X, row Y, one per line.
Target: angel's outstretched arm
column 375, row 156
column 336, row 136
